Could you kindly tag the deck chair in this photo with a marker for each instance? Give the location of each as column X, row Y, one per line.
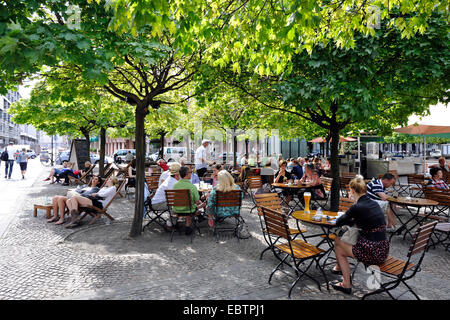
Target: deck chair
column 399, row 271
column 154, row 216
column 228, row 199
column 271, row 201
column 291, row 253
column 95, row 212
column 84, row 177
column 124, row 170
column 181, row 198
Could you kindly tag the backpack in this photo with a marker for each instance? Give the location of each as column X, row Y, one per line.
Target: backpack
column 5, row 155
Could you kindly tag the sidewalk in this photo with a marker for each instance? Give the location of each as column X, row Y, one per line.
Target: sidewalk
column 45, row 261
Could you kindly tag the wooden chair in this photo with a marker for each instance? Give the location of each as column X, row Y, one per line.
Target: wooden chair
column 298, row 250
column 344, row 185
column 350, row 175
column 124, row 170
column 108, row 175
column 416, row 183
column 326, row 182
column 271, row 201
column 398, row 270
column 95, row 212
column 150, row 213
column 254, row 183
column 84, row 177
column 442, row 196
column 181, row 198
column 228, row 199
column 442, row 235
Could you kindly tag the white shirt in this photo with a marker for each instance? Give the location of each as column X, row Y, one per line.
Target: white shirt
column 107, row 193
column 199, row 154
column 11, row 151
column 160, row 195
column 163, row 177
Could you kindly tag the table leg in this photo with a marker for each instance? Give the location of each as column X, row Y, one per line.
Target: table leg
column 35, row 212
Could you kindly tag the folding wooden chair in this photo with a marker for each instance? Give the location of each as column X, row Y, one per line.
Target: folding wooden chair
column 442, row 234
column 228, row 199
column 295, row 251
column 181, row 198
column 84, row 177
column 416, row 183
column 150, row 213
column 95, row 212
column 399, row 271
column 254, row 183
column 271, row 201
column 107, row 175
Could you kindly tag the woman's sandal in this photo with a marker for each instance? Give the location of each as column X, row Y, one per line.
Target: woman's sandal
column 333, row 271
column 52, row 220
column 338, row 286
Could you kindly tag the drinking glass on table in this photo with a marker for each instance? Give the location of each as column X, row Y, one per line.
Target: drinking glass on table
column 307, row 197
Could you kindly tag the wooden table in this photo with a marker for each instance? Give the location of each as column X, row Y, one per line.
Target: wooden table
column 417, row 203
column 324, row 224
column 292, row 186
column 48, row 209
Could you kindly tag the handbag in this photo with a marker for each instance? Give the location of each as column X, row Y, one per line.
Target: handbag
column 349, row 235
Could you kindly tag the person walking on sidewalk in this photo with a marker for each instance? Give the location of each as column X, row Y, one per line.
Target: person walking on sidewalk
column 22, row 159
column 10, row 162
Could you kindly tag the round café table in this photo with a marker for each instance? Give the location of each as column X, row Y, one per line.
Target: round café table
column 407, row 203
column 293, row 186
column 326, row 225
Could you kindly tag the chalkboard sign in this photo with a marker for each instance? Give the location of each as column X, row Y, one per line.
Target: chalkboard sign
column 79, row 153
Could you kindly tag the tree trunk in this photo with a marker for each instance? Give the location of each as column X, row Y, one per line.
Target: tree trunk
column 334, row 160
column 162, row 139
column 88, row 140
column 234, row 149
column 136, row 227
column 246, row 148
column 101, row 164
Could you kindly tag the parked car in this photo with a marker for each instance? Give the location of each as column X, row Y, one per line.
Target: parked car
column 436, row 153
column 174, row 153
column 31, row 154
column 119, row 155
column 95, row 158
column 63, row 156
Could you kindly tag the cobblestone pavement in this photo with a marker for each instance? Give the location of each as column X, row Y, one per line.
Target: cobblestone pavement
column 45, row 261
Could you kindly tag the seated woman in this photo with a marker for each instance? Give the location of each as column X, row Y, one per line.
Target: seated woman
column 315, row 184
column 99, row 200
column 436, row 179
column 225, row 183
column 59, row 202
column 372, row 247
column 282, row 176
column 131, row 183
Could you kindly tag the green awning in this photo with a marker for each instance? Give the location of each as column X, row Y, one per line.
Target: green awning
column 371, row 139
column 93, row 139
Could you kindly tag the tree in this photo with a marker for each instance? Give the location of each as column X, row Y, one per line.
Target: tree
column 377, row 84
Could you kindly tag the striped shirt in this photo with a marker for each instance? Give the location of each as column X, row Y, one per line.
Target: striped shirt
column 374, row 187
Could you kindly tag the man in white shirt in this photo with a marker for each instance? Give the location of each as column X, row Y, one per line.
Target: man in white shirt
column 159, row 199
column 200, row 160
column 10, row 162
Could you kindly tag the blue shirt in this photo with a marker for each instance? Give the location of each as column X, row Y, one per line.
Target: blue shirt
column 297, row 171
column 194, row 178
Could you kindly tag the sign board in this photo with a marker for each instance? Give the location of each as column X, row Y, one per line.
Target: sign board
column 79, row 153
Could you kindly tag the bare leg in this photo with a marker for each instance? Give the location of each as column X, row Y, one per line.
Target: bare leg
column 55, row 209
column 62, row 206
column 343, row 251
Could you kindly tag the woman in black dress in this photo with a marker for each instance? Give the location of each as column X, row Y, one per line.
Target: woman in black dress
column 282, row 176
column 372, row 246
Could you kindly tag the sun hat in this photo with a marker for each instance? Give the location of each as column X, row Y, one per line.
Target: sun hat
column 174, row 168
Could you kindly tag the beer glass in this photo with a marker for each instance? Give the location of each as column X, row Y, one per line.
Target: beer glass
column 307, row 197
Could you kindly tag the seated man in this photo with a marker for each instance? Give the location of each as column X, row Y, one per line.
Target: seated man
column 158, row 202
column 185, row 183
column 436, row 179
column 194, row 177
column 297, row 170
column 76, row 174
column 376, row 190
column 58, row 173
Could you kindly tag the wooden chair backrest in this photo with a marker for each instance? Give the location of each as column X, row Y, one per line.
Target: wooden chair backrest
column 232, row 198
column 254, row 182
column 178, row 198
column 89, row 170
column 121, row 184
column 345, row 204
column 326, row 182
column 442, row 196
column 107, row 176
column 268, row 200
column 344, row 181
column 276, row 223
column 415, row 179
column 348, row 175
column 395, row 173
column 152, row 182
column 421, row 239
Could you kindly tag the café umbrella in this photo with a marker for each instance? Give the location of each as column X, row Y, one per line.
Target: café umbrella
column 424, row 131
